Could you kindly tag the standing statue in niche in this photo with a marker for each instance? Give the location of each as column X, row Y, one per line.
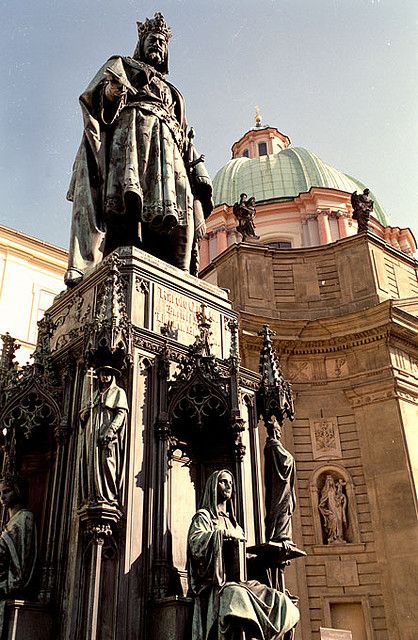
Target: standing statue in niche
column 280, row 496
column 333, row 507
column 137, row 178
column 18, row 543
column 103, row 422
column 227, row 607
column 362, row 208
column 244, row 212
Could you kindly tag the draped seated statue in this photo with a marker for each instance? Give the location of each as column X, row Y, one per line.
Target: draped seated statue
column 227, row 606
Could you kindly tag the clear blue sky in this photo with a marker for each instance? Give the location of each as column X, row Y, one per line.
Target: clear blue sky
column 339, row 77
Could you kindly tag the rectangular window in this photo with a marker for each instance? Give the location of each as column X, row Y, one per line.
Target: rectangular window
column 41, row 304
column 262, row 148
column 280, row 245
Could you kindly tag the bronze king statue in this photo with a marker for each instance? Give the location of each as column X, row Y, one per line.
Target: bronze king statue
column 137, row 178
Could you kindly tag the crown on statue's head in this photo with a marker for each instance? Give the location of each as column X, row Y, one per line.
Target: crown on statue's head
column 157, row 24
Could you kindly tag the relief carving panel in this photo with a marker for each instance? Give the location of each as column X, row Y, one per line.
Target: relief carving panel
column 325, row 438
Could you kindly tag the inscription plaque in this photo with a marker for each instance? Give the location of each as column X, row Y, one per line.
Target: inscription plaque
column 172, row 308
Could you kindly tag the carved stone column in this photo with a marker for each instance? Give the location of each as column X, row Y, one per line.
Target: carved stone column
column 324, row 228
column 313, row 230
column 162, row 433
column 221, row 240
column 343, row 224
column 204, row 252
column 98, row 535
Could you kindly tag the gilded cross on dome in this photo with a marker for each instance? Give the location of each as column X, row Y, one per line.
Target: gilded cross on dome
column 257, row 117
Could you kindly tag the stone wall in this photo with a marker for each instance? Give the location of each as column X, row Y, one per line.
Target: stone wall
column 345, row 316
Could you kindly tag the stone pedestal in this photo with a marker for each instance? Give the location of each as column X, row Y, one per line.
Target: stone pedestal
column 118, row 570
column 171, row 618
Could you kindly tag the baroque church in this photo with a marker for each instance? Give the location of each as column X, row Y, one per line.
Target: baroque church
column 342, row 310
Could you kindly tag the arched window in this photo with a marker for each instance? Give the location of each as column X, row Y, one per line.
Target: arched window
column 246, row 153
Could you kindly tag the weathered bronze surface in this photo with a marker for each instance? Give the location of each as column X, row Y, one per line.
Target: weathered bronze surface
column 362, row 208
column 235, row 609
column 18, row 544
column 103, row 419
column 137, row 178
column 244, row 211
column 280, row 477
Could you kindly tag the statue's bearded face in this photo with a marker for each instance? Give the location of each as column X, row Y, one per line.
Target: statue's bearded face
column 155, row 48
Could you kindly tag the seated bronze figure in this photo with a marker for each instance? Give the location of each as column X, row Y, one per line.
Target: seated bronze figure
column 229, row 607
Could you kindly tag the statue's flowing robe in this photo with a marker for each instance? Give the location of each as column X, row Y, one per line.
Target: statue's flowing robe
column 280, row 496
column 332, row 507
column 18, row 553
column 130, row 183
column 102, row 465
column 247, row 605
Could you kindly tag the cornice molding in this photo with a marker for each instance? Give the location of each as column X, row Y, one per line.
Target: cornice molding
column 361, row 396
column 321, row 346
column 383, row 322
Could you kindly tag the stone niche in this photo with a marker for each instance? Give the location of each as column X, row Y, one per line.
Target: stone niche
column 334, row 506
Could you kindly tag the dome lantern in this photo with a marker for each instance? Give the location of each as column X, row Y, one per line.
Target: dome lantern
column 261, row 140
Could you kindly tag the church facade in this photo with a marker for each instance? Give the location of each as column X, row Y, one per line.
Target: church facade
column 344, row 311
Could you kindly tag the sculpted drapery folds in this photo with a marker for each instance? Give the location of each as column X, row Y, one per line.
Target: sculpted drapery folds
column 333, row 507
column 362, row 209
column 137, row 178
column 223, row 609
column 18, row 544
column 280, row 476
column 103, row 422
column 244, row 212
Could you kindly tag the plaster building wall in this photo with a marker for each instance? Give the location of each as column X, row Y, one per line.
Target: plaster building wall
column 31, row 275
column 346, row 319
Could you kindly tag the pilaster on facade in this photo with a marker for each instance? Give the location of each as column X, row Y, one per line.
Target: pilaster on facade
column 324, row 227
column 221, row 239
column 345, row 224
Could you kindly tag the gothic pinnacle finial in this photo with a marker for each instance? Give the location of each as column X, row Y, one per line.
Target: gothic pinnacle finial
column 274, row 394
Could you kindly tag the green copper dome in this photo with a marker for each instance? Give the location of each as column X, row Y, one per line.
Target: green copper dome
column 282, row 176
